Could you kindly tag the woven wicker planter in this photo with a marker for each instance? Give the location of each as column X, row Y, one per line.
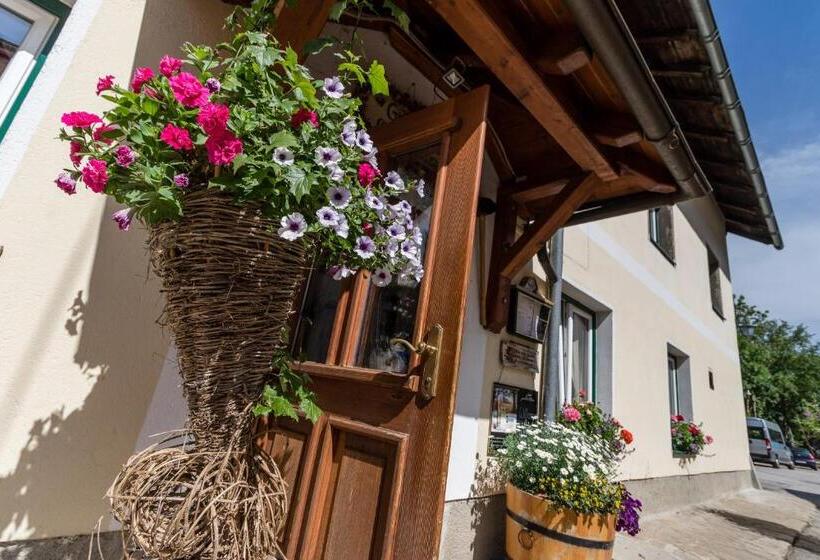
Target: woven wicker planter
column 229, row 282
column 537, row 530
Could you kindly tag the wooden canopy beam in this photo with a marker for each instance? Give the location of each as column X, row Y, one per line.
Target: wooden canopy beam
column 484, row 35
column 510, row 255
column 564, row 54
column 297, row 23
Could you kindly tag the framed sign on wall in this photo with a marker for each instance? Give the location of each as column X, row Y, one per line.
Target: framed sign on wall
column 511, row 407
column 529, row 312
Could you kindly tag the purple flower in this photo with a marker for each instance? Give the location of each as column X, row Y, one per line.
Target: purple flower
column 293, row 226
column 328, row 217
column 336, row 173
column 213, row 85
column 125, row 156
column 409, row 249
column 628, row 515
column 342, row 228
column 373, row 201
column 394, row 181
column 340, row 272
column 66, row 183
column 401, row 208
column 416, row 236
column 338, row 197
column 123, row 218
column 381, row 277
column 327, row 157
column 363, row 141
column 397, row 231
column 370, row 157
column 420, row 188
column 392, row 247
column 411, row 275
column 182, row 180
column 365, row 247
column 283, row 156
column 349, row 133
column 333, row 87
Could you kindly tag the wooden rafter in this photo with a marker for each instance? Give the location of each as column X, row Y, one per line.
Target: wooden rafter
column 297, row 23
column 564, row 54
column 486, row 37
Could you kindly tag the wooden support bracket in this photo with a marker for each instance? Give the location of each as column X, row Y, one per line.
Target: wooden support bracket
column 510, row 255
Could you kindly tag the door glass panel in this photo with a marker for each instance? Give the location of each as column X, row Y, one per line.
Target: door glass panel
column 391, row 311
column 317, row 316
column 13, row 30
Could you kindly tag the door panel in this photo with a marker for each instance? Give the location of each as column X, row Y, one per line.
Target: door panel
column 368, row 479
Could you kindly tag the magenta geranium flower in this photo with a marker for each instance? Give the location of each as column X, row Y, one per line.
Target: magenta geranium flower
column 366, row 173
column 223, row 148
column 188, row 90
column 142, row 75
column 105, row 83
column 74, row 152
column 213, row 118
column 125, row 156
column 168, row 65
column 95, row 175
column 304, row 116
column 182, row 180
column 66, row 183
column 176, row 137
column 80, row 119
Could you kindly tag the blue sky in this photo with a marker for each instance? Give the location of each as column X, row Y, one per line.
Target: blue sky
column 774, row 53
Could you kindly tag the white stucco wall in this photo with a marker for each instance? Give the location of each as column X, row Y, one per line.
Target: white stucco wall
column 80, row 353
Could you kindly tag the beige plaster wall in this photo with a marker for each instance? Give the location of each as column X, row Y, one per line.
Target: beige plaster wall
column 80, row 353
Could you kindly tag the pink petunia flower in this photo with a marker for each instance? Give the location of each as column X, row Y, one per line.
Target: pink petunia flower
column 66, row 183
column 176, row 137
column 105, row 83
column 213, row 118
column 123, row 218
column 142, row 75
column 366, row 173
column 168, row 65
column 570, row 414
column 125, row 156
column 95, row 175
column 304, row 116
column 80, row 119
column 223, row 148
column 74, row 152
column 188, row 90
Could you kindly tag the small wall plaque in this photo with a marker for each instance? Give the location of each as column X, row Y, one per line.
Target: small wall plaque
column 521, row 356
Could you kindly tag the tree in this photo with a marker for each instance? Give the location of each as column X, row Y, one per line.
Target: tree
column 780, row 365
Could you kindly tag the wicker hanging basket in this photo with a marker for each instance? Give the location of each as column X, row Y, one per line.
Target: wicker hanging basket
column 229, row 282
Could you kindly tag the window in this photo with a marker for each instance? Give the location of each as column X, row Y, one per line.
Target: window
column 662, row 231
column 714, row 283
column 27, row 31
column 578, row 366
column 756, row 432
column 674, row 387
column 711, row 380
column 679, row 382
column 776, row 436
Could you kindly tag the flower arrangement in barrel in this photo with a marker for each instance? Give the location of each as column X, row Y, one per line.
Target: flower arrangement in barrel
column 573, row 463
column 688, row 438
column 248, row 119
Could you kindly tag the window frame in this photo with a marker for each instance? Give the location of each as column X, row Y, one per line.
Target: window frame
column 673, row 382
column 656, row 235
column 569, row 307
column 715, row 283
column 47, row 17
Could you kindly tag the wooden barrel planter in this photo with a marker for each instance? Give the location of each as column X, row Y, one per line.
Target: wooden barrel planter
column 537, row 530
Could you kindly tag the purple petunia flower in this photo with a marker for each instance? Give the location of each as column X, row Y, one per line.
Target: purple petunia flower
column 66, row 183
column 293, row 226
column 365, row 247
column 371, row 158
column 628, row 515
column 333, row 87
column 283, row 156
column 373, row 201
column 182, row 180
column 416, row 236
column 213, row 85
column 409, row 249
column 327, row 157
column 363, row 141
column 349, row 133
column 336, row 173
column 381, row 277
column 420, row 188
column 338, row 197
column 328, row 217
column 397, row 231
column 340, row 272
column 342, row 228
column 394, row 181
column 123, row 218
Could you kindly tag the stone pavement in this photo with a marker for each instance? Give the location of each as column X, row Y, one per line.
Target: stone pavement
column 751, row 525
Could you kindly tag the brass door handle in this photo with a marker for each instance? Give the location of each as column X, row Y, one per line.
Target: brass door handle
column 429, row 350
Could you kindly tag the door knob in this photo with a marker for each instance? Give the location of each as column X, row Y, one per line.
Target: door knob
column 430, row 351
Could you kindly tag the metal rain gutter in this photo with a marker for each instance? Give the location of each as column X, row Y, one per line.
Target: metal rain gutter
column 709, row 34
column 605, row 30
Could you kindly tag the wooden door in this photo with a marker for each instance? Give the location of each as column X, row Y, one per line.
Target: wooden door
column 367, row 480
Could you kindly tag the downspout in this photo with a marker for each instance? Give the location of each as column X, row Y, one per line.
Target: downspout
column 551, row 354
column 605, row 30
column 709, row 34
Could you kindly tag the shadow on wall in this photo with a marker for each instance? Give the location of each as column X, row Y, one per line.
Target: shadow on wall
column 72, row 456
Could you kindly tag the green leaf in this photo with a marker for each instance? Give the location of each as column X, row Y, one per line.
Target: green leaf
column 282, row 139
column 311, row 409
column 354, row 69
column 337, row 10
column 317, row 45
column 299, row 184
column 377, row 79
column 401, row 16
column 150, row 106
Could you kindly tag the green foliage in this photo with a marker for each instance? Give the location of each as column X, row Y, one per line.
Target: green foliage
column 290, row 395
column 780, row 364
column 593, row 421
